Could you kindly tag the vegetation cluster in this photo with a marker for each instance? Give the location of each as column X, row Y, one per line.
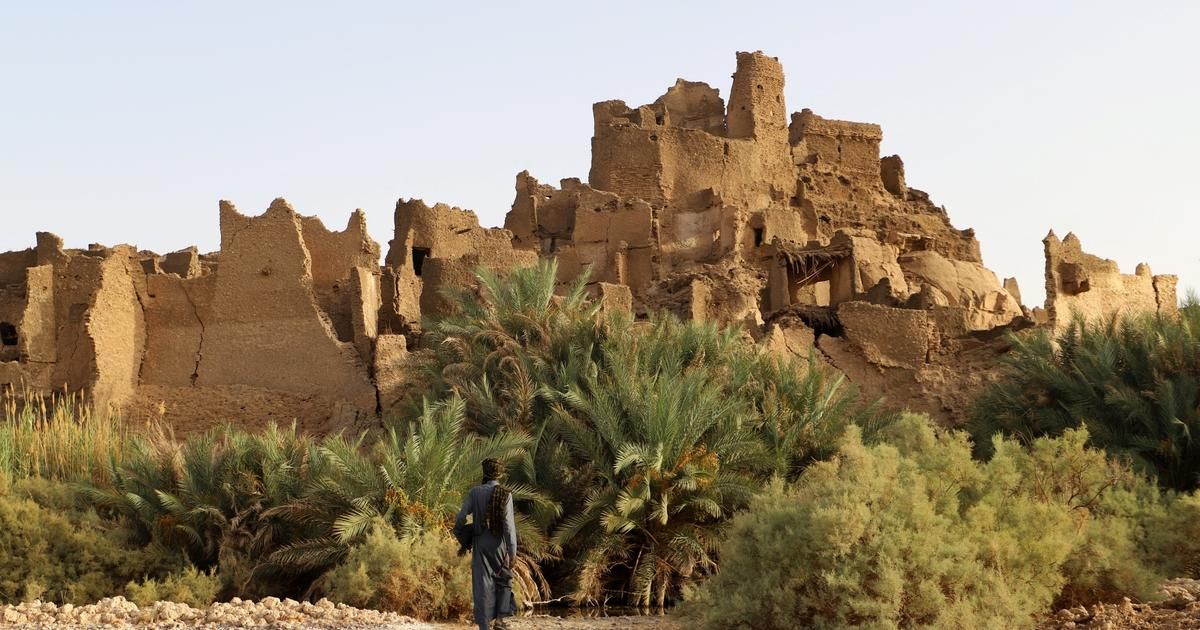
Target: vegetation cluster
column 652, row 463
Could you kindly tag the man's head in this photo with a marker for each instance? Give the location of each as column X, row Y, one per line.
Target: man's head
column 492, row 469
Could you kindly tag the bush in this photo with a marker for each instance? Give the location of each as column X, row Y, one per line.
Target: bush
column 1173, row 537
column 1113, row 508
column 221, row 499
column 66, row 557
column 190, row 586
column 422, row 576
column 917, row 533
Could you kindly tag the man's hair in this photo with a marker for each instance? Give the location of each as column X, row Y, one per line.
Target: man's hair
column 492, row 469
column 495, row 518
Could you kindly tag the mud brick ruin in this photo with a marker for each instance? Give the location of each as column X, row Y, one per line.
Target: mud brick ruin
column 734, row 212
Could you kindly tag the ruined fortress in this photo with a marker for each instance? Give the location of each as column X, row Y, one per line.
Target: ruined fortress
column 734, row 212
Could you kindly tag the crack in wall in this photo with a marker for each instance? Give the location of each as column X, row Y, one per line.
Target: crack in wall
column 145, row 325
column 199, row 320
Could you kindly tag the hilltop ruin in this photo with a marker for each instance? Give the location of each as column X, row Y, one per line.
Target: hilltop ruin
column 792, row 226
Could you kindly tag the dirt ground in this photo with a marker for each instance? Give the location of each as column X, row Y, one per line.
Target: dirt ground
column 547, row 622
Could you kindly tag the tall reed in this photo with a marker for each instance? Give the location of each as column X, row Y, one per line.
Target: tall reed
column 59, row 437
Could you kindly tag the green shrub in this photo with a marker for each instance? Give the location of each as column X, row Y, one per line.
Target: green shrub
column 422, row 576
column 1114, row 510
column 668, row 457
column 190, row 586
column 414, row 478
column 1173, row 537
column 914, row 532
column 64, row 557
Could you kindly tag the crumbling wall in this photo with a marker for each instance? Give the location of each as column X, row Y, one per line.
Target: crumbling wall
column 264, row 327
column 626, row 160
column 38, row 340
column 12, row 301
column 185, row 263
column 440, row 247
column 334, row 255
column 77, row 278
column 1080, row 285
column 650, row 154
column 887, row 336
column 838, row 144
column 843, row 181
column 116, row 327
column 693, row 105
column 27, row 331
column 946, row 282
column 74, row 322
column 259, row 332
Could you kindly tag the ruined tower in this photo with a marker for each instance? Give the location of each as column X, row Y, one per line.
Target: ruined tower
column 756, row 107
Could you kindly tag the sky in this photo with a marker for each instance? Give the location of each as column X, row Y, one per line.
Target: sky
column 126, row 122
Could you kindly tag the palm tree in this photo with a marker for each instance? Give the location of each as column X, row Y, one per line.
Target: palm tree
column 670, row 458
column 587, row 387
column 802, row 409
column 502, row 351
column 414, row 479
column 211, row 498
column 510, row 354
column 1134, row 383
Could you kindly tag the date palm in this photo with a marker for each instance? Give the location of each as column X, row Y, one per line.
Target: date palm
column 415, row 479
column 211, row 498
column 1134, row 383
column 670, row 458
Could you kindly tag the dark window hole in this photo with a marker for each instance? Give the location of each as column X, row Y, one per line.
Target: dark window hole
column 8, row 334
column 419, row 255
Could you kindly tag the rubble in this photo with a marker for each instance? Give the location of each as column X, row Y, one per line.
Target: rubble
column 1178, row 608
column 269, row 612
column 728, row 211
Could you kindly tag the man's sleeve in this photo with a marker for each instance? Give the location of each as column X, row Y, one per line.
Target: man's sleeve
column 461, row 519
column 512, row 528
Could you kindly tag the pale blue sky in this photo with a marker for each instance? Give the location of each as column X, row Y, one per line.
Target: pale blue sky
column 127, row 121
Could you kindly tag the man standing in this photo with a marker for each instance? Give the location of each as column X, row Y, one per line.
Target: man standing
column 493, row 536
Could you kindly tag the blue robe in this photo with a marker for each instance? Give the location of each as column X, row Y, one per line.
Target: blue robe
column 489, row 556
